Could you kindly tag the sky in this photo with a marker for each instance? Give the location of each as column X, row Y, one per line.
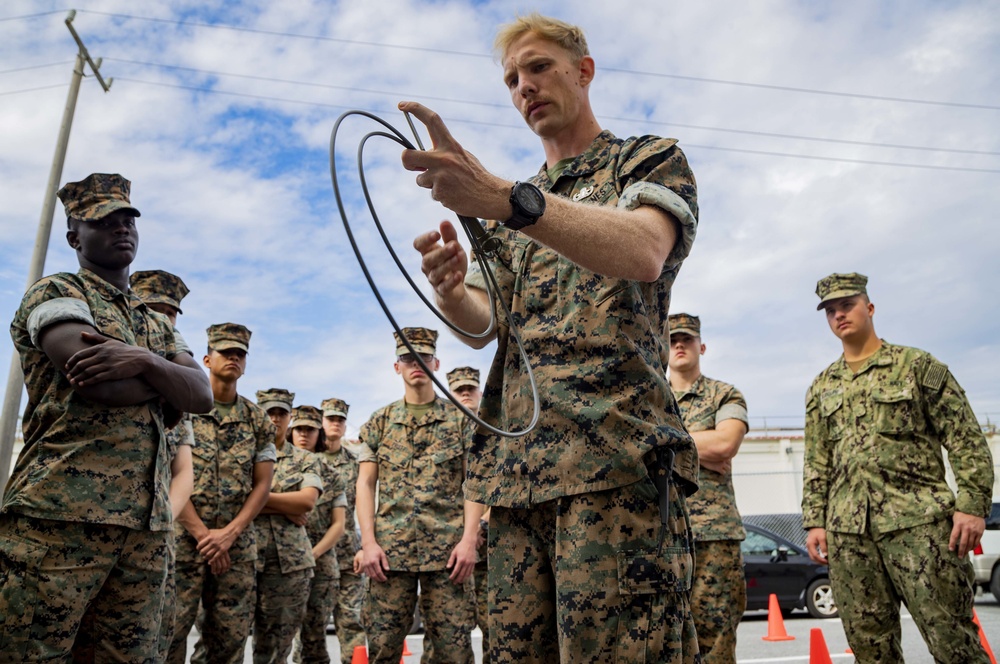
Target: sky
column 825, row 137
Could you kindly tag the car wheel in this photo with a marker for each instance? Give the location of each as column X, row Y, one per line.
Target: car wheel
column 995, row 582
column 819, row 599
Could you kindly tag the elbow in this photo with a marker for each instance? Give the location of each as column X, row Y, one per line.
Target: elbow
column 203, row 401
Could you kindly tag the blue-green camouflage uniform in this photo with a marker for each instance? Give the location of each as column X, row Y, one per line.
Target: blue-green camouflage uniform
column 719, row 590
column 418, row 523
column 598, row 346
column 86, row 515
column 874, row 478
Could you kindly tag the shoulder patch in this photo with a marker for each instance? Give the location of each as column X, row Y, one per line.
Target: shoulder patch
column 934, row 376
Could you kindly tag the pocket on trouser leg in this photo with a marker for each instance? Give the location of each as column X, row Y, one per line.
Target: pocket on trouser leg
column 19, row 563
column 654, row 621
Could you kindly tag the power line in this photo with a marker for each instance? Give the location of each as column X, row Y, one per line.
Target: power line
column 27, row 16
column 506, row 126
column 746, row 132
column 44, row 87
column 700, row 79
column 30, row 67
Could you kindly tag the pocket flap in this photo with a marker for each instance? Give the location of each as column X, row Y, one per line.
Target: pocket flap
column 830, row 402
column 892, row 394
column 651, row 573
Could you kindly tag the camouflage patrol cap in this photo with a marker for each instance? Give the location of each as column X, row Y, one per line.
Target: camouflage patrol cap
column 275, row 397
column 463, row 376
column 684, row 324
column 159, row 287
column 840, row 285
column 96, row 196
column 223, row 336
column 334, row 407
column 422, row 340
column 307, row 416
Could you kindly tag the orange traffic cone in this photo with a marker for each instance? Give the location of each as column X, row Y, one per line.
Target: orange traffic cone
column 360, row 655
column 775, row 623
column 818, row 652
column 982, row 638
column 406, row 648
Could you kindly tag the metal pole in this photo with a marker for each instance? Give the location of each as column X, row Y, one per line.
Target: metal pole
column 15, row 379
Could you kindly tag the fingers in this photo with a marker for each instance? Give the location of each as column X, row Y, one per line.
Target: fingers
column 440, row 136
column 956, row 534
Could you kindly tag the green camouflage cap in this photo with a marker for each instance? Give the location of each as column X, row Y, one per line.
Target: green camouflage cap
column 333, row 407
column 224, row 336
column 96, row 196
column 159, row 287
column 422, row 340
column 463, row 376
column 307, row 416
column 840, row 285
column 275, row 397
column 684, row 324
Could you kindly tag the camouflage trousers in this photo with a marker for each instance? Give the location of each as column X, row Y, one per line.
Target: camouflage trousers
column 446, row 609
column 586, row 569
column 870, row 575
column 310, row 644
column 58, row 575
column 347, row 613
column 169, row 602
column 281, row 608
column 228, row 601
column 483, row 606
column 718, row 599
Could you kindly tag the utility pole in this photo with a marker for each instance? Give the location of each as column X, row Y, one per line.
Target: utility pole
column 15, row 380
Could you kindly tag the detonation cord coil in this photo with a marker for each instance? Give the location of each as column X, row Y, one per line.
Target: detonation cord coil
column 483, row 245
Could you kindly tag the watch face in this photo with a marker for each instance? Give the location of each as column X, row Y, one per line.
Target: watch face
column 530, row 199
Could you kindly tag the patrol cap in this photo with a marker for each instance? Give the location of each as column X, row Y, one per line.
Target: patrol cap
column 684, row 324
column 463, row 376
column 275, row 397
column 840, row 285
column 422, row 340
column 223, row 336
column 307, row 416
column 96, row 196
column 335, row 407
column 159, row 287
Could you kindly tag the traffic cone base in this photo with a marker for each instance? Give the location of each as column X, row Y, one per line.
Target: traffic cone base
column 775, row 623
column 360, row 655
column 406, row 648
column 982, row 638
column 818, row 652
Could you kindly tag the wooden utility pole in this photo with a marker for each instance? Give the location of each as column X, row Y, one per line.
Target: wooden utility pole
column 15, row 380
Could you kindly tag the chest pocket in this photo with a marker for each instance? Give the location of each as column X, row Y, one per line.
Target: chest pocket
column 238, row 467
column 446, row 467
column 895, row 409
column 113, row 326
column 833, row 413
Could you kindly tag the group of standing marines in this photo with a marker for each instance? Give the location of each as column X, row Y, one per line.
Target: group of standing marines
column 612, row 531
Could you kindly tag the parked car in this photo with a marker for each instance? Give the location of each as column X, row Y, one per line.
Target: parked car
column 986, row 556
column 776, row 564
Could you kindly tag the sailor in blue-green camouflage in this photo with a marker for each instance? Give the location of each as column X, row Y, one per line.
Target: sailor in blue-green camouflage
column 351, row 588
column 874, row 479
column 285, row 563
column 85, row 521
column 420, row 520
column 718, row 592
column 229, row 441
column 311, row 645
column 598, row 347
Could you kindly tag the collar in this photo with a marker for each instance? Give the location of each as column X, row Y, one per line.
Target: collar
column 880, row 358
column 400, row 415
column 697, row 388
column 592, row 160
column 108, row 292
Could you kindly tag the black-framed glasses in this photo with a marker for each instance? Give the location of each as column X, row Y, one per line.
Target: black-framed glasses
column 408, row 358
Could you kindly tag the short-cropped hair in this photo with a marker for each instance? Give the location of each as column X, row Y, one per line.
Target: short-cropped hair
column 570, row 37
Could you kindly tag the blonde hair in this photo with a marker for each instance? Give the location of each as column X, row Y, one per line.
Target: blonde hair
column 565, row 35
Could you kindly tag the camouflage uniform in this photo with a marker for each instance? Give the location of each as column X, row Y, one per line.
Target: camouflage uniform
column 418, row 524
column 285, row 564
column 86, row 514
column 598, row 347
column 874, row 478
column 225, row 451
column 311, row 647
column 719, row 591
column 351, row 589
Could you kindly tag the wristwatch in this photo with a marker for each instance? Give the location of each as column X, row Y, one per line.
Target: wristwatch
column 528, row 204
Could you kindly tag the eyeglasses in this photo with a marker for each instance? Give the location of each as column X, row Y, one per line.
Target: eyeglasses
column 410, row 359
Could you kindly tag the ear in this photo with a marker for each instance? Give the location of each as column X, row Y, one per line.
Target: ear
column 703, row 347
column 395, row 365
column 586, row 70
column 206, row 361
column 437, row 364
column 73, row 239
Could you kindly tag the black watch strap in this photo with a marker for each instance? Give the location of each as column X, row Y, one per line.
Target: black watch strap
column 527, row 204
